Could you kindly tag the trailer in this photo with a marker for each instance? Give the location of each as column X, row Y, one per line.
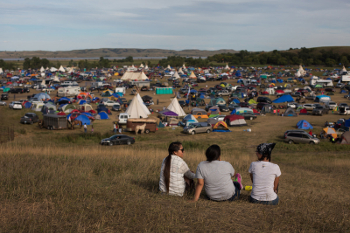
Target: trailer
column 53, row 121
column 151, row 124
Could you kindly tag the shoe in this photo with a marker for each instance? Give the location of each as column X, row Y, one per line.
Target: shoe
column 238, row 179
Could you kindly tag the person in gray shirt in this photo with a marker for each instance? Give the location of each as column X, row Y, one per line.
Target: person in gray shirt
column 216, row 178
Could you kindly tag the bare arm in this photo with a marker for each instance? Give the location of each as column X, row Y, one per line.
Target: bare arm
column 199, row 187
column 275, row 185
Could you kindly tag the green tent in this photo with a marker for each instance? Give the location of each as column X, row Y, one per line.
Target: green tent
column 6, row 89
column 251, row 101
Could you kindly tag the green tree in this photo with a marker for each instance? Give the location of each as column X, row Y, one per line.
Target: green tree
column 344, row 61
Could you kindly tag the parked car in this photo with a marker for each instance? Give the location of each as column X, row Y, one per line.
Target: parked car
column 118, row 139
column 332, row 105
column 248, row 116
column 223, row 93
column 292, row 105
column 3, row 103
column 29, row 118
column 202, row 127
column 297, row 94
column 309, row 107
column 223, row 108
column 297, row 137
column 4, row 96
column 109, row 103
column 264, row 99
column 116, row 107
column 294, row 131
column 17, row 105
column 218, row 118
column 320, row 110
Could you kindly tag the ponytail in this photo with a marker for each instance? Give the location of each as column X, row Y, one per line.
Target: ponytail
column 173, row 147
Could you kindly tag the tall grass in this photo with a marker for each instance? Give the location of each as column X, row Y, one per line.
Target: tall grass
column 109, row 189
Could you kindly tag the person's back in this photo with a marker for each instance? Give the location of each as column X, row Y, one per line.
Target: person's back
column 217, row 175
column 264, row 174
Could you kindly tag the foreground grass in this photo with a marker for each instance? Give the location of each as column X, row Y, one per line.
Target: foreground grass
column 110, row 189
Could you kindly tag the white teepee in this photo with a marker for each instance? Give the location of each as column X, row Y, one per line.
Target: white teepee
column 141, row 66
column 226, row 67
column 1, row 71
column 174, row 106
column 176, row 75
column 42, row 69
column 136, row 108
column 61, row 69
column 344, row 69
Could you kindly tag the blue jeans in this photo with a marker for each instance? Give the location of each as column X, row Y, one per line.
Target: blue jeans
column 237, row 193
column 273, row 202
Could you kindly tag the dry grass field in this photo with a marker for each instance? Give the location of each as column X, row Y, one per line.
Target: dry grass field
column 64, row 181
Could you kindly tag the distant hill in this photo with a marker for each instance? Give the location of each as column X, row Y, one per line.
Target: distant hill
column 108, row 52
column 335, row 49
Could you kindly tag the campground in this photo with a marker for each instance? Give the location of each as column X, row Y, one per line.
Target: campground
column 63, row 180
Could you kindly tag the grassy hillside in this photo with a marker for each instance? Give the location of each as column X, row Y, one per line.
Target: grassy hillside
column 334, row 49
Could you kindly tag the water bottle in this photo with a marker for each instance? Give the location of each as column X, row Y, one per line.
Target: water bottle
column 248, row 188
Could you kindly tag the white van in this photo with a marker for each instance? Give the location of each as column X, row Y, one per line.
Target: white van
column 120, row 89
column 123, row 118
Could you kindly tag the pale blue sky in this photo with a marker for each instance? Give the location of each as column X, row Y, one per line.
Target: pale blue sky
column 182, row 24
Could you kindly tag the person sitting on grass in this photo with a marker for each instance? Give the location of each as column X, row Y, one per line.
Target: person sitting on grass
column 215, row 176
column 175, row 176
column 265, row 176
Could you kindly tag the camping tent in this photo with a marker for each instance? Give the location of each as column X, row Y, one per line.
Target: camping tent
column 217, row 101
column 345, row 138
column 137, row 109
column 42, row 96
column 221, row 126
column 303, row 124
column 330, row 131
column 83, row 118
column 322, row 98
column 103, row 115
column 174, row 106
column 235, row 120
column 284, row 98
column 290, row 112
column 189, row 119
column 134, row 76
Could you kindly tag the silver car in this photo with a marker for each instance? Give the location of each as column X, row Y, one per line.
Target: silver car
column 300, row 137
column 202, row 127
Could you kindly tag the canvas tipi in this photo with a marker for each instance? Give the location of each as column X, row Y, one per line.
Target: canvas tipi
column 137, row 109
column 174, row 106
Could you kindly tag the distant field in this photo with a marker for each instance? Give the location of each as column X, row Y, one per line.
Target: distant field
column 64, row 181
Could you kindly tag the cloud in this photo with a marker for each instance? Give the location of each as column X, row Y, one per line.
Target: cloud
column 182, row 24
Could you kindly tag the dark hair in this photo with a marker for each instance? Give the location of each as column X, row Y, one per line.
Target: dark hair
column 213, row 153
column 173, row 147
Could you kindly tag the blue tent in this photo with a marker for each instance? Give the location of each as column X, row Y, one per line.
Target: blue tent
column 317, row 99
column 238, row 73
column 233, row 112
column 103, row 115
column 87, row 113
column 82, row 102
column 303, row 124
column 63, row 98
column 283, row 98
column 236, row 101
column 347, row 123
column 343, row 91
column 84, row 119
column 193, row 91
column 28, row 105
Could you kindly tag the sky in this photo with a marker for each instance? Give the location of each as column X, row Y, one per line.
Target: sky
column 253, row 25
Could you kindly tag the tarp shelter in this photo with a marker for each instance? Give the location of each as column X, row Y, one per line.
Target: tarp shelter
column 103, row 115
column 42, row 96
column 283, row 99
column 330, row 131
column 252, row 101
column 28, row 105
column 303, row 111
column 290, row 112
column 221, row 126
column 174, row 106
column 217, row 101
column 345, row 138
column 83, row 118
column 167, row 112
column 235, row 120
column 322, row 98
column 303, row 124
column 136, row 109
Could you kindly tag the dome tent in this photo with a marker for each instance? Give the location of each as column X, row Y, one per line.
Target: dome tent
column 303, row 124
